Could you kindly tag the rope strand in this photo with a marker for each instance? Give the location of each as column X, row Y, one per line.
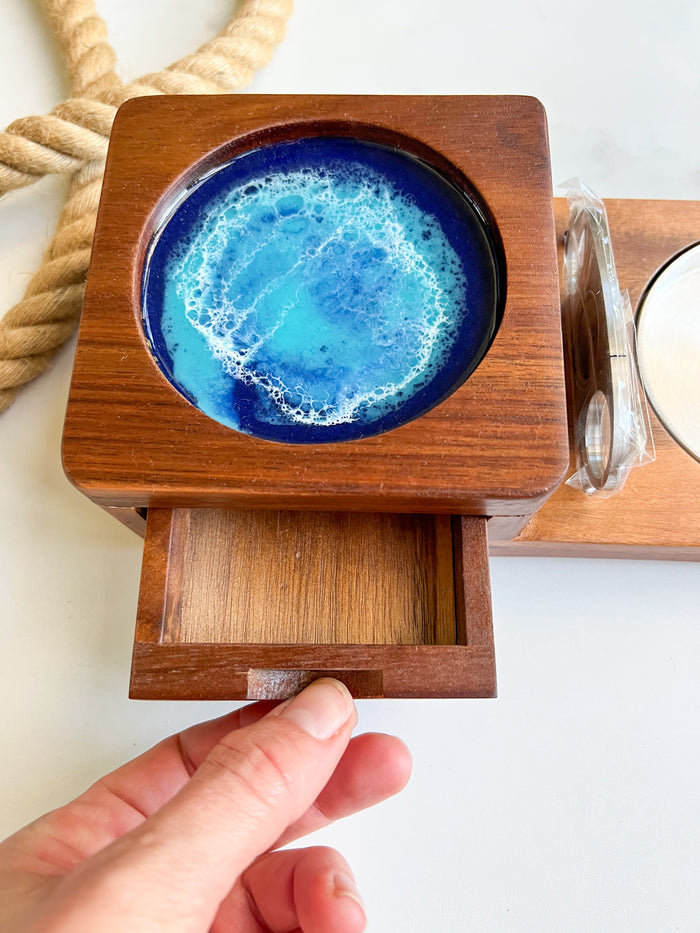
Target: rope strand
column 73, row 140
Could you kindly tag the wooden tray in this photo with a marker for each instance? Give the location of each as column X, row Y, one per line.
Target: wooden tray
column 249, row 605
column 657, row 514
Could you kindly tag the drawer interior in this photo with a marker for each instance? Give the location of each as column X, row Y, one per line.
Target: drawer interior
column 311, row 578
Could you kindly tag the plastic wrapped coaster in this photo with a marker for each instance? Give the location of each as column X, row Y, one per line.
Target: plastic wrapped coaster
column 612, row 433
column 318, row 290
column 668, row 325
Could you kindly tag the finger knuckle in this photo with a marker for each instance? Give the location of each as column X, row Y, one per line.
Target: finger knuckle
column 261, row 766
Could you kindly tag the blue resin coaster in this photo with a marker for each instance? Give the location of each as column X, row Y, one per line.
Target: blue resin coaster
column 323, row 289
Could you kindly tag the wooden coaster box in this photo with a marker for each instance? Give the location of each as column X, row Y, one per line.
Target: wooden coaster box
column 267, row 563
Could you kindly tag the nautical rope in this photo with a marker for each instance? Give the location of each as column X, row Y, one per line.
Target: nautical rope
column 73, row 139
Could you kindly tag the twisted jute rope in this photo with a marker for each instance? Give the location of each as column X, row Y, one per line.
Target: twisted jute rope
column 72, row 140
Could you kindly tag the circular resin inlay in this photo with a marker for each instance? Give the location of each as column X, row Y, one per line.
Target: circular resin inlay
column 323, row 289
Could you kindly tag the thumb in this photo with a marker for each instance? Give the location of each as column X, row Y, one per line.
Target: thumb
column 181, row 863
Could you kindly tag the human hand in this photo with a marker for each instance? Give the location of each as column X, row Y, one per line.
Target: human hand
column 180, row 839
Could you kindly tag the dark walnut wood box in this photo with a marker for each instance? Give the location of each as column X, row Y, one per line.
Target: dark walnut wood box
column 266, row 564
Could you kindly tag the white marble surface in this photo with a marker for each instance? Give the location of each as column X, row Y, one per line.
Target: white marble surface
column 571, row 802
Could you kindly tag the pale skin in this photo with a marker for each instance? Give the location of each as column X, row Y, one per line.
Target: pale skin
column 184, row 838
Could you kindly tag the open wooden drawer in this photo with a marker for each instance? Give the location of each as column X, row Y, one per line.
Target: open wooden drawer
column 252, row 605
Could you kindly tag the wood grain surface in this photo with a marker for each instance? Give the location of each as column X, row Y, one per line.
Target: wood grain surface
column 657, row 514
column 496, row 446
column 248, row 577
column 241, row 672
column 255, row 604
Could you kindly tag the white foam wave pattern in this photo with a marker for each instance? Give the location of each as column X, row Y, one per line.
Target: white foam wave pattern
column 358, row 214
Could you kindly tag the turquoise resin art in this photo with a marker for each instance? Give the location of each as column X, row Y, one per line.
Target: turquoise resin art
column 323, row 289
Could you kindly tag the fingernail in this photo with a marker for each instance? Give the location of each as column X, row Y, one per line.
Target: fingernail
column 321, row 709
column 344, row 886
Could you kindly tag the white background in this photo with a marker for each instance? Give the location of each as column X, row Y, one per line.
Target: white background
column 571, row 802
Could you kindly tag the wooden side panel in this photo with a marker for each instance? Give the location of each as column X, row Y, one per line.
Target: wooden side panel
column 133, row 519
column 150, row 617
column 472, row 582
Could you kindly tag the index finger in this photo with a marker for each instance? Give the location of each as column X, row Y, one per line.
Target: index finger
column 372, row 768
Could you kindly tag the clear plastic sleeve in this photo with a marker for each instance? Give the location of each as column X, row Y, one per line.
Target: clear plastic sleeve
column 612, row 431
